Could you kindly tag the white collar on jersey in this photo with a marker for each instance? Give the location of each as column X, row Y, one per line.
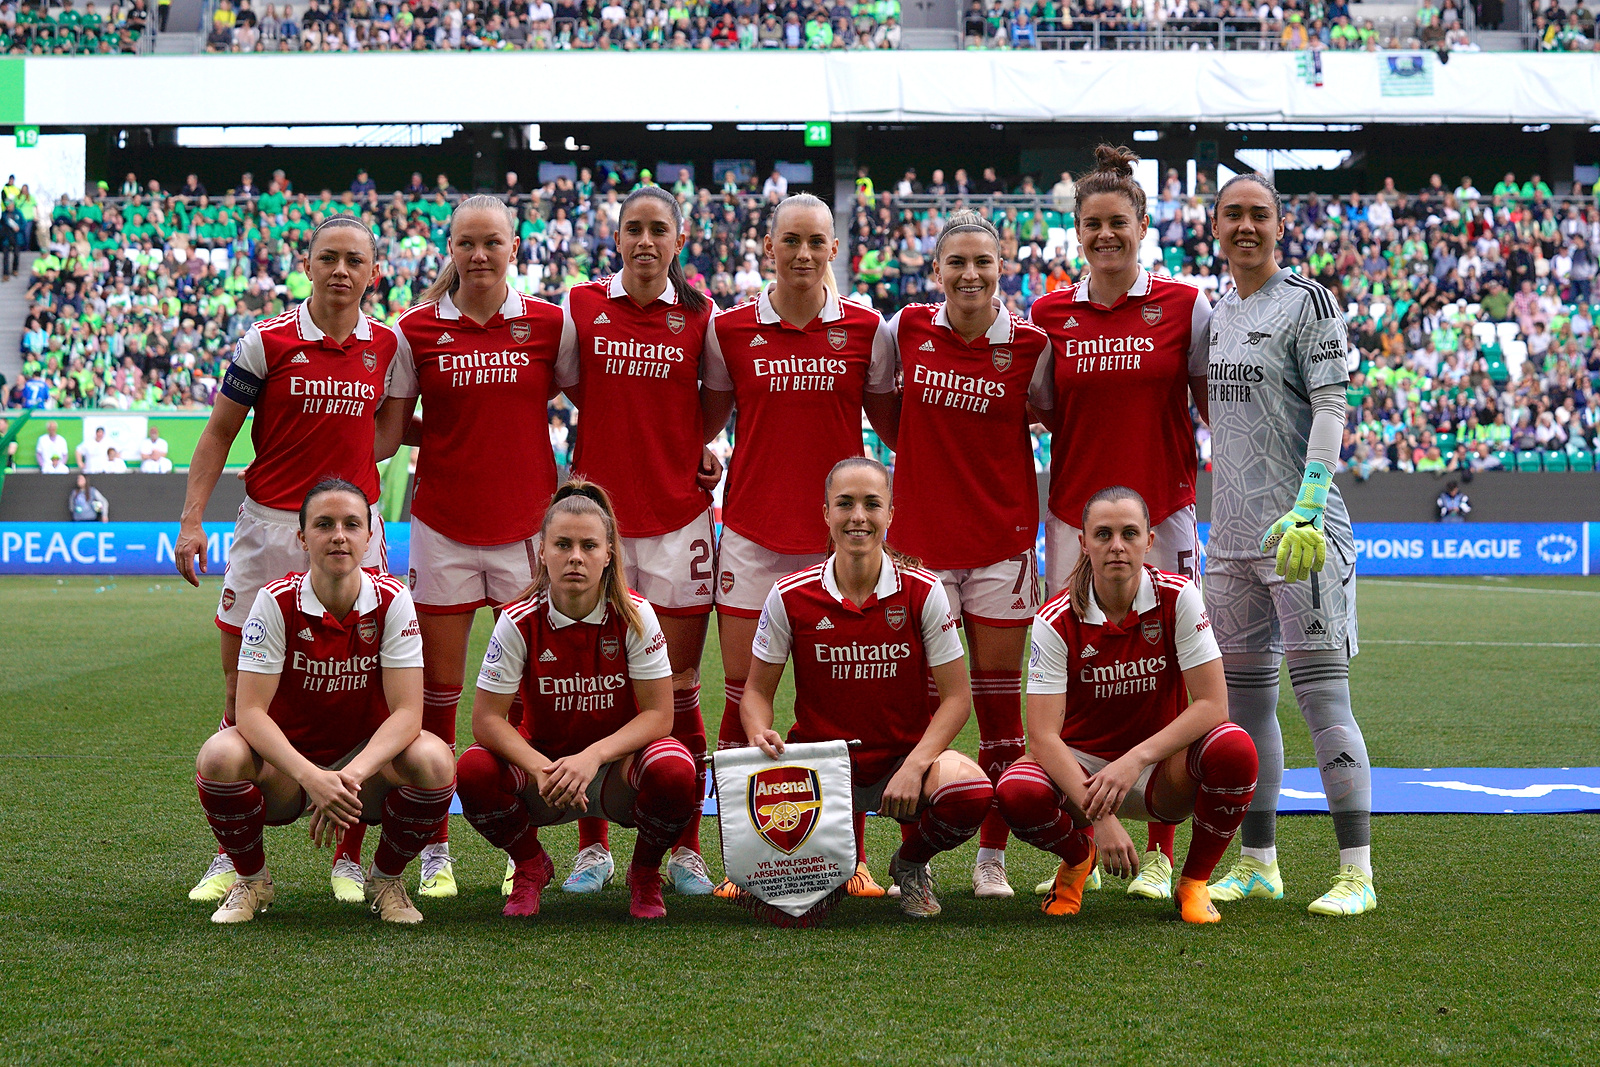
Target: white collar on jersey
column 366, row 600
column 511, row 309
column 1143, row 601
column 1003, row 332
column 559, row 621
column 615, row 290
column 888, row 580
column 1141, row 287
column 832, row 308
column 308, row 329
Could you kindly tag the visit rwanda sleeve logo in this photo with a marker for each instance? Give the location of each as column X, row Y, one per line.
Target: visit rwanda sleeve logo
column 783, row 803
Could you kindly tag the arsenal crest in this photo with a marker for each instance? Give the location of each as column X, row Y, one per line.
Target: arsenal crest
column 411, row 579
column 895, row 616
column 1001, row 358
column 726, row 581
column 520, row 332
column 370, row 360
column 609, row 647
column 227, row 599
column 1152, row 631
column 783, row 803
column 368, row 629
column 837, row 337
column 675, row 321
column 1151, row 313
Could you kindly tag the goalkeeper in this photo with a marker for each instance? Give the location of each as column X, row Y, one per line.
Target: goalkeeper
column 1280, row 567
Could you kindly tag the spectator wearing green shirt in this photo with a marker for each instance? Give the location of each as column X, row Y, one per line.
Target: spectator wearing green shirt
column 1535, row 188
column 298, row 283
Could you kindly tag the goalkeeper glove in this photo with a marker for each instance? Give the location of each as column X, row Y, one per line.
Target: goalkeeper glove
column 1297, row 536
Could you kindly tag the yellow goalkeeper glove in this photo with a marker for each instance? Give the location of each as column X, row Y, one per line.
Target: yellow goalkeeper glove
column 1297, row 537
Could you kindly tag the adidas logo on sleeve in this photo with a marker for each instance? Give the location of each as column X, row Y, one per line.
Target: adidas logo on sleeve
column 300, row 357
column 547, row 656
column 927, row 346
column 602, row 319
column 305, row 634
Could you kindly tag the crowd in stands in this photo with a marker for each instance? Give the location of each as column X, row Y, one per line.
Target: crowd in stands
column 480, row 25
column 73, row 27
column 1284, row 24
column 1473, row 311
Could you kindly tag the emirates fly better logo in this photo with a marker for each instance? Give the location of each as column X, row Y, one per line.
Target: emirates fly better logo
column 783, row 804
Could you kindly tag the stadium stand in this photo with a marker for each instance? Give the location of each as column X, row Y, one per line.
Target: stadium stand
column 75, row 28
column 1473, row 313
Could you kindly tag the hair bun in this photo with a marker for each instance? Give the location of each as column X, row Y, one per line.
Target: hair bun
column 1116, row 159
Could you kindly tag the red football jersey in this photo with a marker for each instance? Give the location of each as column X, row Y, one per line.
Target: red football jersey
column 330, row 671
column 860, row 672
column 1123, row 681
column 575, row 675
column 638, row 387
column 965, row 494
column 315, row 403
column 1120, row 383
column 485, row 472
column 798, row 394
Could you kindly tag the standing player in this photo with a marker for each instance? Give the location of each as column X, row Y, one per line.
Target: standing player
column 591, row 665
column 1111, row 730
column 1129, row 342
column 315, row 377
column 965, row 491
column 329, row 717
column 482, row 357
column 637, row 343
column 1278, row 372
column 801, row 365
column 865, row 630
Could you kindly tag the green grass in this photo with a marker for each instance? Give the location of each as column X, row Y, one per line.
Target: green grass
column 1486, row 948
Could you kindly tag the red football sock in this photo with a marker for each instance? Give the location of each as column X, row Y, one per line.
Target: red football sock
column 1224, row 762
column 1161, row 835
column 690, row 728
column 489, row 798
column 1031, row 804
column 237, row 813
column 593, row 830
column 997, row 703
column 860, row 822
column 951, row 816
column 439, row 703
column 411, row 819
column 730, row 734
column 664, row 775
column 350, row 843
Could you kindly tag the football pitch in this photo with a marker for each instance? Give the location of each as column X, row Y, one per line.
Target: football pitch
column 1485, row 947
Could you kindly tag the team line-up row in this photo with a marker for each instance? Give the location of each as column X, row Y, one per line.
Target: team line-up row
column 1109, row 365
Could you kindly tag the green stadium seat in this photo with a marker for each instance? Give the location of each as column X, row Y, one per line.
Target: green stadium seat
column 1529, row 461
column 1555, row 460
column 1499, row 373
column 1446, row 442
column 1507, row 458
column 1581, row 459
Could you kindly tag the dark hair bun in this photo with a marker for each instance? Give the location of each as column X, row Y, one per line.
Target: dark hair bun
column 1115, row 159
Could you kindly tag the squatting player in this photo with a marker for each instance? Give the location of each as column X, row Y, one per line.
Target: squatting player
column 1127, row 716
column 1277, row 396
column 329, row 715
column 1130, row 342
column 965, row 495
column 315, row 376
column 482, row 358
column 591, row 665
column 801, row 364
column 864, row 630
column 635, row 344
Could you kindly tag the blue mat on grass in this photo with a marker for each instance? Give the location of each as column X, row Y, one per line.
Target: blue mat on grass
column 1431, row 791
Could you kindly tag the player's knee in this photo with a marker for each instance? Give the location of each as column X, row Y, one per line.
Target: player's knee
column 428, row 763
column 225, row 757
column 965, row 804
column 667, row 773
column 1226, row 757
column 477, row 776
column 1025, row 796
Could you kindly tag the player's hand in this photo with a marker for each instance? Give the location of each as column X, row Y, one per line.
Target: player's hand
column 566, row 783
column 710, row 472
column 334, row 797
column 902, row 795
column 191, row 543
column 1117, row 854
column 1108, row 787
column 1297, row 537
column 769, row 742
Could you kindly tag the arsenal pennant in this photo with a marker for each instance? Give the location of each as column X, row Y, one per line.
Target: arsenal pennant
column 787, row 836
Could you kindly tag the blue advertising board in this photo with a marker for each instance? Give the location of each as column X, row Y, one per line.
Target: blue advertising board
column 1421, row 548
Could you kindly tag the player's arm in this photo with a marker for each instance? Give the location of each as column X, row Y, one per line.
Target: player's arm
column 205, row 467
column 393, row 426
column 716, row 385
column 1200, row 355
column 881, row 401
column 1041, row 404
column 401, row 664
column 1049, row 675
column 334, row 796
column 567, row 779
column 1208, row 709
column 491, row 728
column 769, row 652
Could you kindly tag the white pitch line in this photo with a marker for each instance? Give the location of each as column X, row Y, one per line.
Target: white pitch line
column 1480, row 588
column 1488, row 644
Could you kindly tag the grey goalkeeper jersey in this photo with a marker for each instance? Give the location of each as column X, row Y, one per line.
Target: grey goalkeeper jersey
column 1268, row 352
